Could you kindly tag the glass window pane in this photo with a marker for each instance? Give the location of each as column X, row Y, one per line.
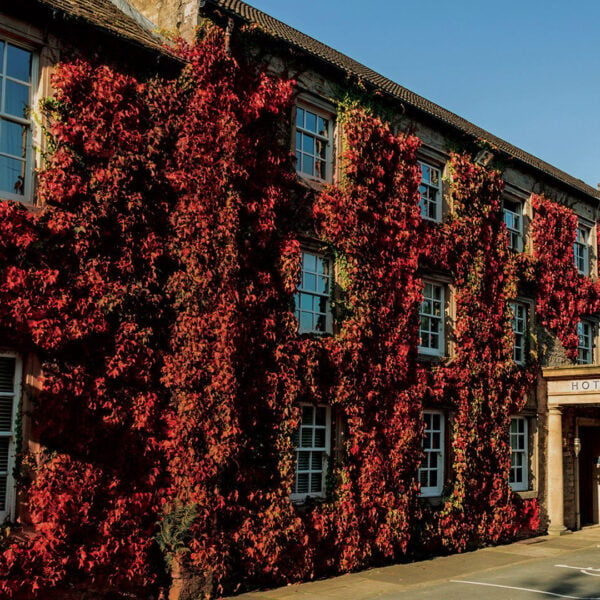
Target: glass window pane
column 316, row 463
column 311, row 121
column 303, row 461
column 302, row 485
column 18, row 63
column 309, row 261
column 322, row 127
column 16, row 100
column 306, row 301
column 310, row 282
column 321, row 415
column 308, row 165
column 4, row 445
column 13, row 138
column 320, row 324
column 12, row 175
column 299, row 117
column 6, row 412
column 316, row 483
column 308, row 144
column 306, row 321
column 307, row 415
column 319, row 438
column 306, row 437
column 298, row 141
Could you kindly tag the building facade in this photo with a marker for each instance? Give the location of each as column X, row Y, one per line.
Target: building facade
column 553, row 435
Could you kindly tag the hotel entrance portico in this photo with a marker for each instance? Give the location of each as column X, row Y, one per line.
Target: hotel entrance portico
column 572, row 447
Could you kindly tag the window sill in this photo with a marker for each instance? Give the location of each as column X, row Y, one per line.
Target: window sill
column 435, row 501
column 431, row 358
column 527, row 494
column 316, row 185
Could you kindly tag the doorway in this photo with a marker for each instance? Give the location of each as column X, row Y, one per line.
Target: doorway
column 589, row 470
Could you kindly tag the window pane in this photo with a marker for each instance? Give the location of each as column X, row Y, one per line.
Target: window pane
column 311, row 121
column 322, row 126
column 316, row 483
column 310, row 282
column 321, row 415
column 319, row 438
column 7, row 373
column 16, row 101
column 316, row 463
column 303, row 461
column 12, row 175
column 306, row 321
column 18, row 63
column 4, row 444
column 13, row 138
column 299, row 117
column 298, row 141
column 308, row 166
column 302, row 485
column 306, row 437
column 307, row 415
column 308, row 144
column 306, row 301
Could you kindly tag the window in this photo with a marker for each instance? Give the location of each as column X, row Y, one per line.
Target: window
column 581, row 249
column 513, row 219
column 431, row 471
column 10, row 383
column 312, row 297
column 15, row 121
column 312, row 441
column 431, row 329
column 585, row 348
column 313, row 144
column 519, row 324
column 519, row 463
column 431, row 192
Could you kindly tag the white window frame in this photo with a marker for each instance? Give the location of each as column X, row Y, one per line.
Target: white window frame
column 513, row 220
column 433, row 457
column 439, row 350
column 325, row 450
column 520, row 328
column 27, row 196
column 427, row 186
column 586, row 339
column 581, row 249
column 315, row 295
column 519, row 446
column 9, row 508
column 328, row 140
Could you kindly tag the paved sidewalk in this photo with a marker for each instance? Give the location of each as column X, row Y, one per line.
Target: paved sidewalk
column 413, row 579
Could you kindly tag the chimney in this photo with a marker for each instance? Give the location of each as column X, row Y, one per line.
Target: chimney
column 175, row 17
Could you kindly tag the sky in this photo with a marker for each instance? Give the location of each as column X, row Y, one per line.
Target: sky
column 528, row 71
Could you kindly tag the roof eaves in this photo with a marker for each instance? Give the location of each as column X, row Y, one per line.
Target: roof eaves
column 305, row 43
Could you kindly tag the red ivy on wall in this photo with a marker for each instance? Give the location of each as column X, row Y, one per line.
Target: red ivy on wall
column 164, row 265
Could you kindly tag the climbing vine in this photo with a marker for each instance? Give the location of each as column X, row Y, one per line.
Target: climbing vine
column 156, row 288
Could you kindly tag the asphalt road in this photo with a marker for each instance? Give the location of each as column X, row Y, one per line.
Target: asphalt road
column 574, row 575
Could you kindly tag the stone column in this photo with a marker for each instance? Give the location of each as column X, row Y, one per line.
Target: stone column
column 555, row 494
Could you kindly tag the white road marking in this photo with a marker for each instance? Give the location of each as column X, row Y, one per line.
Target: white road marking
column 584, row 570
column 521, row 589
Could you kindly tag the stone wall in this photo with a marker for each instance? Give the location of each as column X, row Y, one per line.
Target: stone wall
column 171, row 16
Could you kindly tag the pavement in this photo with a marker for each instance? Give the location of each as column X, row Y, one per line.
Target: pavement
column 565, row 566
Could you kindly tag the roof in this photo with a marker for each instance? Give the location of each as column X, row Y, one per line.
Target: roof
column 317, row 49
column 114, row 17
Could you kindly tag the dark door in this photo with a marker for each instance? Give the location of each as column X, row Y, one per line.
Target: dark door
column 588, row 459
